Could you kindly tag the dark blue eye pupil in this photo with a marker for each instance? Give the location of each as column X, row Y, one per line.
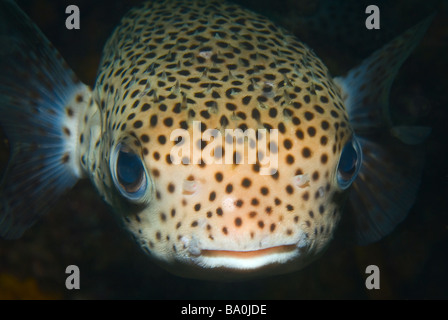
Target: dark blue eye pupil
column 349, row 157
column 129, row 171
column 349, row 163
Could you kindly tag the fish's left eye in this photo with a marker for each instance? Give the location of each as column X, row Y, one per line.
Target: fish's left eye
column 349, row 163
column 128, row 173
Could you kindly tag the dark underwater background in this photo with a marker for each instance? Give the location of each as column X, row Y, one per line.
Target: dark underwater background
column 81, row 230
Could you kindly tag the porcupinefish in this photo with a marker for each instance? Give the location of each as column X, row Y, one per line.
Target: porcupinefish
column 189, row 76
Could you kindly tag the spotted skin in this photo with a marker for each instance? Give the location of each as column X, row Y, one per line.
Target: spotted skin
column 169, row 64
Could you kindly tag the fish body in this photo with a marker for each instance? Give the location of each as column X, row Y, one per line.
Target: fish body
column 220, row 140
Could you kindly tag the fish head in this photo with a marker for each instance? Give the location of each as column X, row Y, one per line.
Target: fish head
column 224, row 172
column 200, row 198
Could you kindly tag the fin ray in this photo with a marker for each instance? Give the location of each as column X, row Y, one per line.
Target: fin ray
column 386, row 187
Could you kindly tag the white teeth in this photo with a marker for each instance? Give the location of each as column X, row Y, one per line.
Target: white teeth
column 302, row 180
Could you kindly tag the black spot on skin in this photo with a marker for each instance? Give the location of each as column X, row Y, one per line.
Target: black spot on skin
column 334, row 114
column 256, row 114
column 246, row 100
column 246, row 183
column 299, row 134
column 287, row 144
column 307, row 99
column 65, row 158
column 311, row 131
column 254, row 202
column 144, row 138
column 321, row 209
column 231, row 106
column 69, row 112
column 161, row 139
column 319, row 109
column 168, row 122
column 323, row 140
column 153, row 121
column 324, row 159
column 306, row 196
column 264, row 191
column 273, row 112
column 229, row 188
column 218, row 176
column 238, row 222
column 323, row 99
column 306, row 152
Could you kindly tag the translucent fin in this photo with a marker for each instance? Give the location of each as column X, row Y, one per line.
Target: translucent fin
column 387, row 184
column 40, row 104
column 367, row 86
column 385, row 188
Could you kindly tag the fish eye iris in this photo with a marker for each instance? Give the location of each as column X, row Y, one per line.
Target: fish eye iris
column 349, row 163
column 128, row 173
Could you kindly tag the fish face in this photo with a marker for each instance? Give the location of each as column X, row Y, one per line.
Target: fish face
column 230, row 216
column 220, row 153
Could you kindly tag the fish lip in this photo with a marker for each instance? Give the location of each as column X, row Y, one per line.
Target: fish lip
column 246, row 259
column 248, row 254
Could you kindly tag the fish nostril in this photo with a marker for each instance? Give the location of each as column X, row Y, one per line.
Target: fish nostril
column 302, row 180
column 190, row 187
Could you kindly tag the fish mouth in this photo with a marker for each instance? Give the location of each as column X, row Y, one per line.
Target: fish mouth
column 249, row 254
column 247, row 259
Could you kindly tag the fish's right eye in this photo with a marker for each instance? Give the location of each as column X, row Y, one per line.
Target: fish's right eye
column 349, row 163
column 128, row 173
